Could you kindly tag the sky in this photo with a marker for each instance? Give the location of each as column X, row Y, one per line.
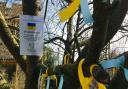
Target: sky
column 15, row 1
column 122, row 44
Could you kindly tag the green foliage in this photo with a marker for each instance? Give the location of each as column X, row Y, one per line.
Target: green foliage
column 4, row 86
column 3, row 79
column 49, row 57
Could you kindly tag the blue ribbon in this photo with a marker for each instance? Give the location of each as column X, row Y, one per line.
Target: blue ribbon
column 86, row 12
column 9, row 3
column 116, row 62
column 126, row 73
column 39, row 79
column 48, row 82
column 61, row 82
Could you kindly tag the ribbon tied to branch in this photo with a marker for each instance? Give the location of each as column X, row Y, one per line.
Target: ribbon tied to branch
column 68, row 12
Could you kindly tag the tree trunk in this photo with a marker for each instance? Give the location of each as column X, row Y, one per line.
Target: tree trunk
column 31, row 81
column 31, row 7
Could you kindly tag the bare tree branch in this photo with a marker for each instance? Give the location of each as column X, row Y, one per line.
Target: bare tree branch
column 54, row 39
column 10, row 42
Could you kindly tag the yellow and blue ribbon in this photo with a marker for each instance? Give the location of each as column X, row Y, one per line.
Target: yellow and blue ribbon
column 53, row 77
column 71, row 9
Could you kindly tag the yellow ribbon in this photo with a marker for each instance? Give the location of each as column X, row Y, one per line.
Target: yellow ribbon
column 53, row 77
column 69, row 11
column 86, row 81
column 66, row 59
column 46, row 72
column 91, row 67
column 101, row 86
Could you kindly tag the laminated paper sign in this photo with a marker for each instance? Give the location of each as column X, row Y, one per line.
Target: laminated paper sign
column 31, row 35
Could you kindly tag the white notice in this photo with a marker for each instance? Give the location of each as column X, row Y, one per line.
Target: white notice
column 31, row 35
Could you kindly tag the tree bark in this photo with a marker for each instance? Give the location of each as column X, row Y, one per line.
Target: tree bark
column 106, row 24
column 10, row 42
column 67, row 43
column 103, row 24
column 31, row 7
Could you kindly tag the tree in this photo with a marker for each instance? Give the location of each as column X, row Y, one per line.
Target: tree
column 107, row 21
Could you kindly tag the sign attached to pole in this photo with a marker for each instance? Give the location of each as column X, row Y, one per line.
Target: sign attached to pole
column 31, row 35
